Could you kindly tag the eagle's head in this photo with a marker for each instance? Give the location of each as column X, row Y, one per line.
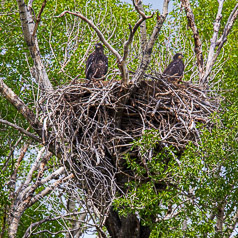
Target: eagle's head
column 178, row 56
column 99, row 47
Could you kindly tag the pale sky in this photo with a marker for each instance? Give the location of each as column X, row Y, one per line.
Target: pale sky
column 156, row 4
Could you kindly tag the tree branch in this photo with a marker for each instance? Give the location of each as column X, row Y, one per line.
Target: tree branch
column 28, row 27
column 34, row 167
column 99, row 33
column 149, row 46
column 21, row 130
column 197, row 41
column 121, row 60
column 143, row 31
column 38, row 19
column 123, row 64
column 212, row 56
column 215, row 35
column 30, row 4
column 49, row 218
column 133, row 31
column 48, row 190
column 228, row 26
column 53, row 175
column 21, row 107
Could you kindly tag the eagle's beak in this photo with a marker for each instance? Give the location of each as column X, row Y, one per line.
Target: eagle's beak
column 181, row 56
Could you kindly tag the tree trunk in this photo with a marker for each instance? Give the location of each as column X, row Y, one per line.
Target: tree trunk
column 14, row 217
column 125, row 227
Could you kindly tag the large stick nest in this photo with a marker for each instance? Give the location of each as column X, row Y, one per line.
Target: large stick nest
column 94, row 124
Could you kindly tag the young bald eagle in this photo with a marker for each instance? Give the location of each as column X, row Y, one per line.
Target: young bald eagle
column 97, row 63
column 175, row 68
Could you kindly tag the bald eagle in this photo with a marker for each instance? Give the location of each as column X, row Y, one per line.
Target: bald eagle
column 175, row 68
column 97, row 63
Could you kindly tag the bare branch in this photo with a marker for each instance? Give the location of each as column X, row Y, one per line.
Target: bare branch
column 53, row 175
column 34, row 167
column 143, row 32
column 21, row 130
column 139, row 7
column 149, row 46
column 49, row 218
column 212, row 57
column 214, row 37
column 133, row 31
column 228, row 26
column 197, row 41
column 38, row 19
column 99, row 33
column 28, row 26
column 20, row 106
column 30, row 4
column 20, row 158
column 121, row 63
column 48, row 189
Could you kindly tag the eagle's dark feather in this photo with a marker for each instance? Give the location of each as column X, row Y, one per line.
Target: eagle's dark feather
column 97, row 63
column 176, row 68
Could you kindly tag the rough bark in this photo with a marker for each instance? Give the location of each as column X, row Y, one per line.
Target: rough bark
column 216, row 28
column 213, row 52
column 21, row 107
column 29, row 31
column 150, row 44
column 197, row 41
column 125, row 227
column 143, row 31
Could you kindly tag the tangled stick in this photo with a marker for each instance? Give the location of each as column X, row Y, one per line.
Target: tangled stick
column 93, row 127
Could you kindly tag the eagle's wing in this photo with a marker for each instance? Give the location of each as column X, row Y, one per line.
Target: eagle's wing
column 106, row 64
column 171, row 69
column 89, row 64
column 181, row 67
column 175, row 68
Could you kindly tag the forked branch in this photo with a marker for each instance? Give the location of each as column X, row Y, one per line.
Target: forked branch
column 38, row 19
column 197, row 41
column 133, row 31
column 22, row 130
column 122, row 64
column 143, row 31
column 148, row 47
column 21, row 107
column 29, row 30
column 213, row 54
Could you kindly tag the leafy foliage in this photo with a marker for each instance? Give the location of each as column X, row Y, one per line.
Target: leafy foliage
column 196, row 185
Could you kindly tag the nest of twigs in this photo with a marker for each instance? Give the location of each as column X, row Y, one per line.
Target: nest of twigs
column 93, row 124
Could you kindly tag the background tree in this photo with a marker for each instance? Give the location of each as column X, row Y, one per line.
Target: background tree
column 53, row 52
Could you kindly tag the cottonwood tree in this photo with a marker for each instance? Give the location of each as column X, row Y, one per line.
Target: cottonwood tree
column 95, row 206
